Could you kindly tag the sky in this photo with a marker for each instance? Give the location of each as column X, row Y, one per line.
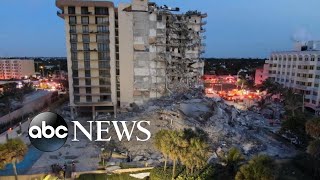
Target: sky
column 235, row 28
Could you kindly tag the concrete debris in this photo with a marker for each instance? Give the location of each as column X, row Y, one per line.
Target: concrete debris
column 226, row 126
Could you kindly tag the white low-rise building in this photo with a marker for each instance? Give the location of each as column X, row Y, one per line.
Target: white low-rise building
column 298, row 69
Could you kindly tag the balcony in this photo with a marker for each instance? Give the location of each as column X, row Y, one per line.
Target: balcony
column 60, row 14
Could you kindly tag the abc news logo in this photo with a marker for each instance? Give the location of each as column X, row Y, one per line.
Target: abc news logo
column 49, row 132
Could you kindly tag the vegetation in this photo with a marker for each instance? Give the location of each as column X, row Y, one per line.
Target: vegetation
column 232, row 160
column 188, row 146
column 231, row 66
column 158, row 173
column 259, row 167
column 12, row 152
column 313, row 129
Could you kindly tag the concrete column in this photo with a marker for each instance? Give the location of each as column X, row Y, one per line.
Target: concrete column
column 93, row 113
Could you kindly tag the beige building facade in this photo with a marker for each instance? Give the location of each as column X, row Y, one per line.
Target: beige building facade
column 130, row 53
column 16, row 68
column 298, row 69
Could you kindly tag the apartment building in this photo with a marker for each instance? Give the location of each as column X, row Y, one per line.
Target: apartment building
column 16, row 68
column 130, row 53
column 298, row 69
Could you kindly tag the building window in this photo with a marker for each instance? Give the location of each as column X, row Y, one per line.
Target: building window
column 86, row 56
column 86, row 46
column 87, row 64
column 84, row 10
column 309, row 84
column 316, row 85
column 88, row 90
column 76, row 90
column 88, row 82
column 73, row 46
column 76, row 98
column 102, row 37
column 74, row 56
column 87, row 73
column 89, row 98
column 72, row 20
column 101, row 20
column 75, row 82
column 71, row 10
column 306, row 58
column 159, row 17
column 74, row 64
column 86, row 38
column 73, row 38
column 105, row 98
column 104, row 81
column 105, row 90
column 310, row 76
column 311, row 68
column 104, row 64
column 102, row 28
column 85, row 29
column 102, row 47
column 85, row 20
column 101, row 11
column 104, row 73
column 73, row 29
column 75, row 73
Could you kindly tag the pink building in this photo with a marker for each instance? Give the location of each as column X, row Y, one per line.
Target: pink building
column 261, row 74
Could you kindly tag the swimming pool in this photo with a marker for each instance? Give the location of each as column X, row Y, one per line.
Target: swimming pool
column 30, row 158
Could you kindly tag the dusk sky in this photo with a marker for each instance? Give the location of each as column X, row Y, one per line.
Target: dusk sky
column 235, row 28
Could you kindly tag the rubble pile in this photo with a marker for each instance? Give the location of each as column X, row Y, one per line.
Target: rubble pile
column 226, row 126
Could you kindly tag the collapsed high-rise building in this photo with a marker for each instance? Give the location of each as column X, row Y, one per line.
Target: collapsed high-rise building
column 138, row 51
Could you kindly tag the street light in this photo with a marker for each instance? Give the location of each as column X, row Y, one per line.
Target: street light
column 41, row 67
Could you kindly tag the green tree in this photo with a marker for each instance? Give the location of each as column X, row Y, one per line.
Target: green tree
column 12, row 152
column 313, row 128
column 161, row 142
column 176, row 147
column 272, row 88
column 260, row 167
column 232, row 159
column 314, row 148
column 292, row 101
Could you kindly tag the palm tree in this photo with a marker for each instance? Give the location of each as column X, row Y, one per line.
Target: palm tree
column 161, row 141
column 176, row 147
column 12, row 152
column 232, row 159
column 292, row 101
column 259, row 167
column 272, row 88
